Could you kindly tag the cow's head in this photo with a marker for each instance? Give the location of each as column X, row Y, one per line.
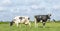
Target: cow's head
column 11, row 23
column 49, row 16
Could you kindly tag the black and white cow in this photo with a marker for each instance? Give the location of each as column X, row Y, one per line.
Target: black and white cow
column 44, row 18
column 20, row 19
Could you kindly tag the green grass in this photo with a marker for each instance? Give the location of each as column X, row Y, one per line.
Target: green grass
column 49, row 27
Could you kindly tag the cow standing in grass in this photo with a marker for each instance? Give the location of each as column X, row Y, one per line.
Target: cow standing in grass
column 20, row 19
column 44, row 18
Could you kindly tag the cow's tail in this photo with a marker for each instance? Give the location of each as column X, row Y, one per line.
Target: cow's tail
column 11, row 23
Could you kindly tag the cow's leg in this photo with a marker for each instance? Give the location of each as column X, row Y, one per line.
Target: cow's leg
column 16, row 23
column 43, row 24
column 35, row 21
column 36, row 24
column 29, row 24
column 44, row 21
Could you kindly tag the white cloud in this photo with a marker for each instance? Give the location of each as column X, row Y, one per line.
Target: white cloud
column 2, row 8
column 56, row 7
column 34, row 6
column 6, row 2
column 39, row 6
column 15, row 10
column 28, row 10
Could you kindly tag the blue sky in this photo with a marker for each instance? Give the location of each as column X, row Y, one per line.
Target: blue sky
column 11, row 8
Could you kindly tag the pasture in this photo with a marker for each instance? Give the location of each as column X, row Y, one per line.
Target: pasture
column 50, row 26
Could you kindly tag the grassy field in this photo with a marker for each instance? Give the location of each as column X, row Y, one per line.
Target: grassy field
column 51, row 26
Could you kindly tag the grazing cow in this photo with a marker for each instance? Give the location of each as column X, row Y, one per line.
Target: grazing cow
column 44, row 18
column 20, row 19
